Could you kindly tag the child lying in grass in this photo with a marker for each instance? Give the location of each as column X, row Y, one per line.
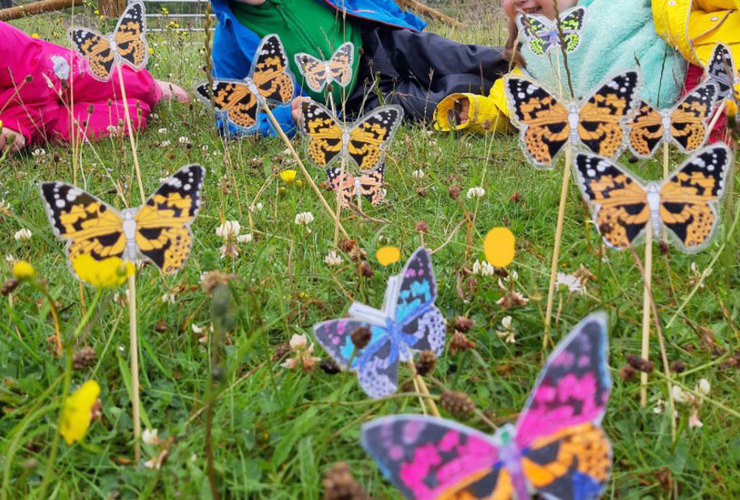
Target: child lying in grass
column 394, row 61
column 614, row 35
column 37, row 104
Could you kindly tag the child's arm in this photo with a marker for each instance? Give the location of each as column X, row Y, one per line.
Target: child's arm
column 229, row 62
column 475, row 112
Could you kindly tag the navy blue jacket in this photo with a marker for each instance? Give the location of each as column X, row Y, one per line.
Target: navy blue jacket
column 234, row 45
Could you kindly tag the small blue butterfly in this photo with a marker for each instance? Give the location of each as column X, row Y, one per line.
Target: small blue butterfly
column 408, row 322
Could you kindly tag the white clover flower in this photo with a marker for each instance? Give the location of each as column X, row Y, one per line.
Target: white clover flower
column 204, row 148
column 38, row 152
column 483, row 268
column 167, row 298
column 507, row 333
column 419, row 174
column 476, row 192
column 149, row 436
column 679, row 395
column 9, row 259
column 4, row 205
column 183, row 140
column 23, row 235
column 165, row 144
column 703, row 387
column 506, row 322
column 572, row 283
column 332, row 259
column 197, row 329
column 304, row 218
column 162, row 130
column 298, row 342
column 257, row 207
column 228, row 230
column 694, row 421
column 245, row 238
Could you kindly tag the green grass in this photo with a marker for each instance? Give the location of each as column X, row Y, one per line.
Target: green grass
column 275, row 431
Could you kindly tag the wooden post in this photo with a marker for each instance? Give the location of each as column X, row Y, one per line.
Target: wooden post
column 37, row 8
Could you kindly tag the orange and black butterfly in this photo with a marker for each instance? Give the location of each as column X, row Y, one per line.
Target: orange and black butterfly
column 685, row 124
column 545, row 124
column 126, row 44
column 369, row 185
column 685, row 203
column 364, row 142
column 269, row 80
column 337, row 69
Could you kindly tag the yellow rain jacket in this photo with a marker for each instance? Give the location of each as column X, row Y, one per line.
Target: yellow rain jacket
column 693, row 27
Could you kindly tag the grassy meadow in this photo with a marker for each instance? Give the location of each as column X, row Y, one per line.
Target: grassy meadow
column 212, row 384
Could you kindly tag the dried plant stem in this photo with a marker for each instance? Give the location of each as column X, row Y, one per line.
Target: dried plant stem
column 647, row 279
column 127, row 116
column 305, row 173
column 424, row 390
column 558, row 239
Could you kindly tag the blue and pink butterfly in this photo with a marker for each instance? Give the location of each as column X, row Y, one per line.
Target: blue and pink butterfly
column 408, row 322
column 557, row 448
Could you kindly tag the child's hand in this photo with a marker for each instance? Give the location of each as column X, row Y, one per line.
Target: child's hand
column 296, row 108
column 11, row 139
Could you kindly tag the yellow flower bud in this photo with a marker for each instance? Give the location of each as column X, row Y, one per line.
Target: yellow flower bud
column 22, row 270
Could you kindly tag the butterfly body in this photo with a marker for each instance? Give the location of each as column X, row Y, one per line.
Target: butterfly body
column 127, row 44
column 159, row 230
column 556, row 449
column 408, row 322
column 685, row 202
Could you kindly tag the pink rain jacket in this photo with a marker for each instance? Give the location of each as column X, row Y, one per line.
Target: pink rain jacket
column 40, row 83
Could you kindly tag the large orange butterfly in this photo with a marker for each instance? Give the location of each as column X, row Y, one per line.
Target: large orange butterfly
column 545, row 124
column 685, row 202
column 369, row 185
column 684, row 124
column 126, row 44
column 364, row 142
column 337, row 69
column 269, row 80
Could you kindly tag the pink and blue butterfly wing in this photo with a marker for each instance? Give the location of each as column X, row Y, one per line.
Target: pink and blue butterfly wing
column 418, row 286
column 574, row 386
column 376, row 364
column 427, row 331
column 428, row 458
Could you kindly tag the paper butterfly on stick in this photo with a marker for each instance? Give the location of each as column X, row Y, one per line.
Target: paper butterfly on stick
column 125, row 45
column 365, row 142
column 240, row 101
column 557, row 448
column 408, row 322
column 543, row 35
column 159, row 229
column 369, row 185
column 721, row 71
column 337, row 69
column 546, row 125
column 685, row 124
column 685, row 203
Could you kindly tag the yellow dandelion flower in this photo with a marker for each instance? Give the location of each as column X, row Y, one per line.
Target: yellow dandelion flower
column 151, row 50
column 34, row 35
column 388, row 255
column 498, row 246
column 76, row 414
column 288, row 176
column 22, row 270
column 107, row 273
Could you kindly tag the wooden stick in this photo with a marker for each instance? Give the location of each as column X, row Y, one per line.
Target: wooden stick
column 428, row 11
column 558, row 239
column 37, row 8
column 303, row 170
column 666, row 160
column 647, row 280
column 134, row 347
column 424, row 390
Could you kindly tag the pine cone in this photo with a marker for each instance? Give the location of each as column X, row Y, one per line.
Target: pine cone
column 457, row 403
column 425, row 365
column 340, row 484
column 84, row 359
